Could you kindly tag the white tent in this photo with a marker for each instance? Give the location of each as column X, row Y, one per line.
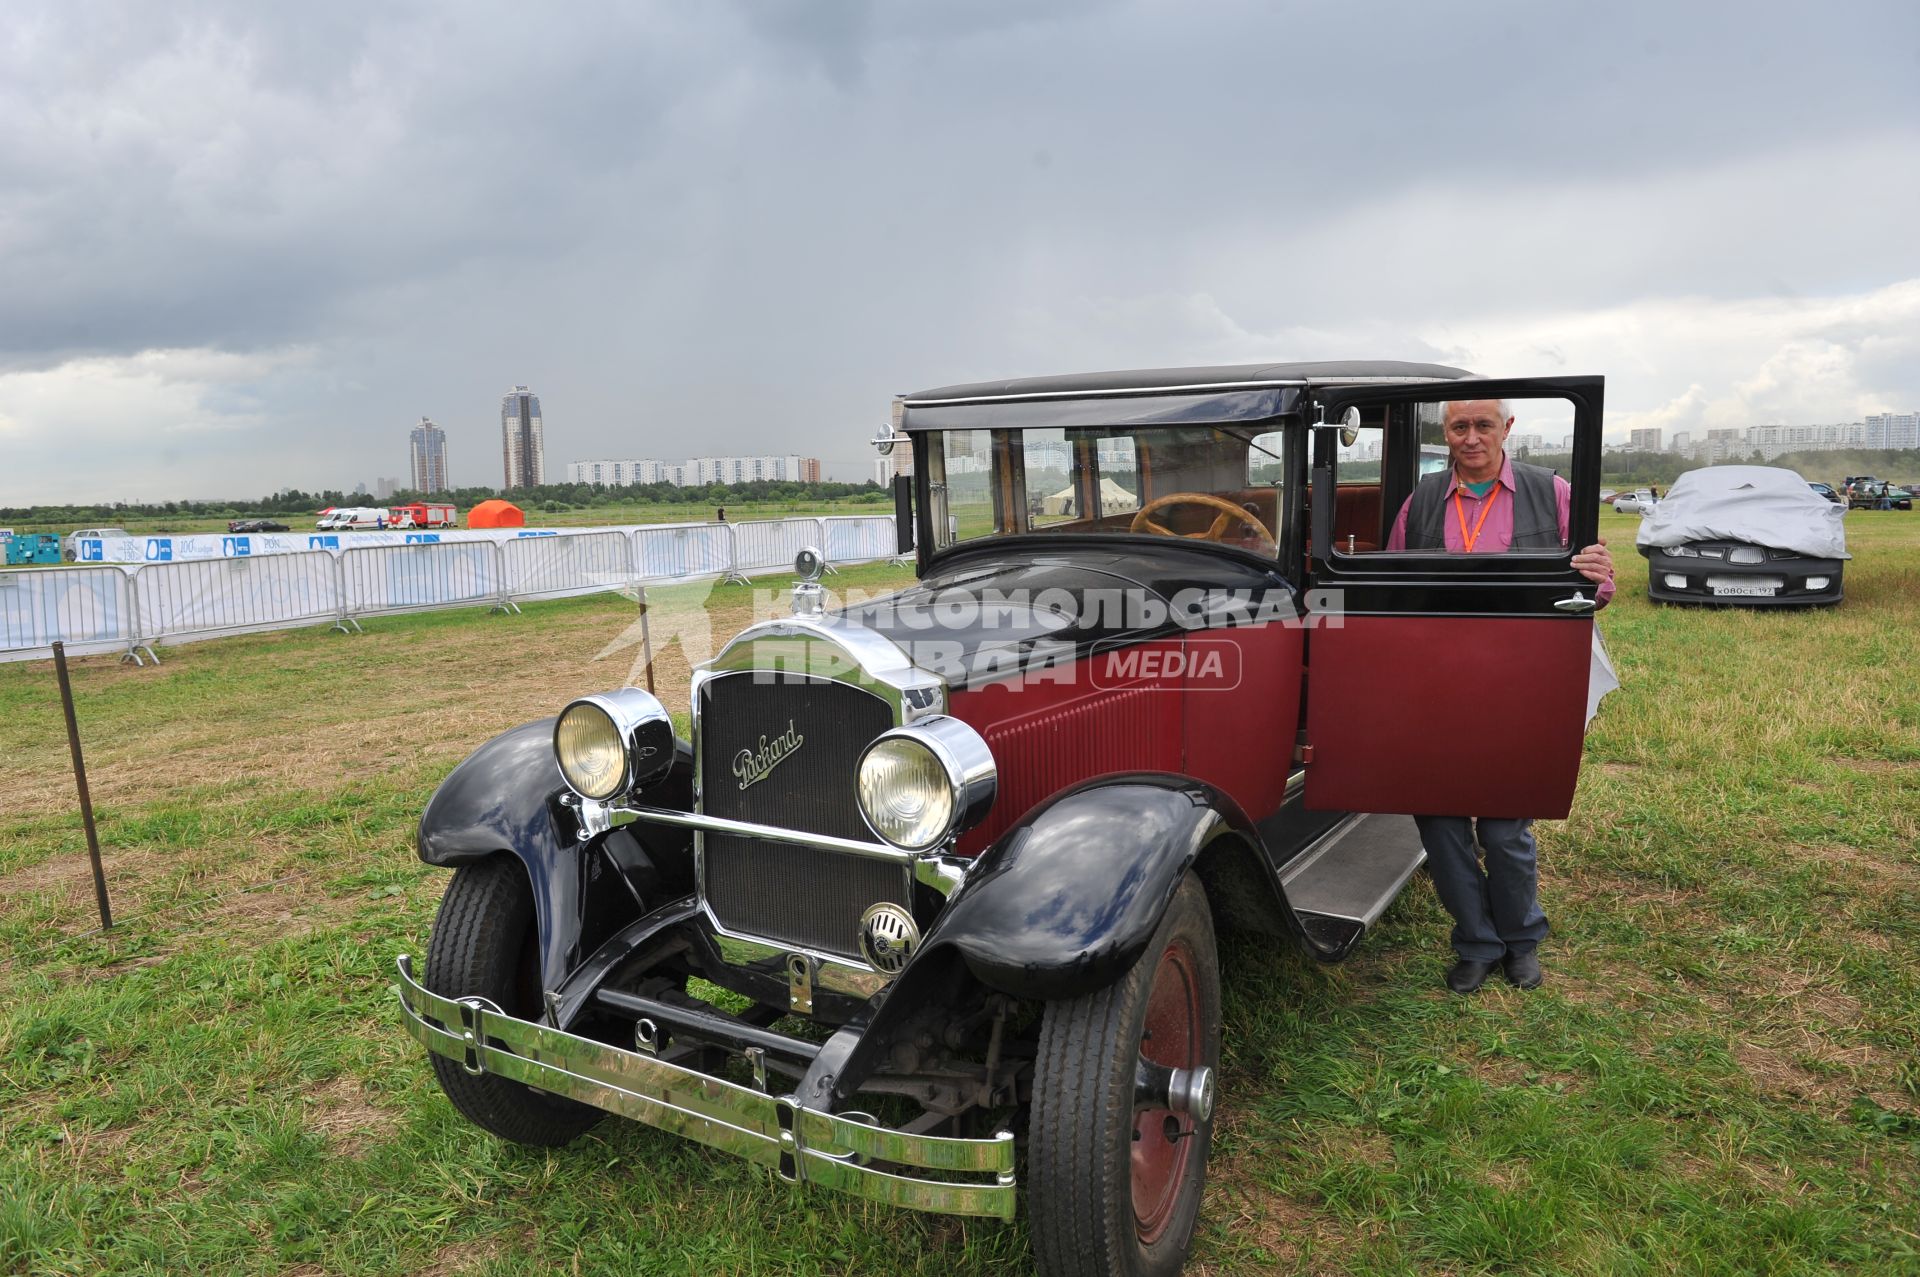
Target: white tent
column 1114, row 499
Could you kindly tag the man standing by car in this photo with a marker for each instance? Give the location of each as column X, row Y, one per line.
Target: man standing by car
column 1485, row 503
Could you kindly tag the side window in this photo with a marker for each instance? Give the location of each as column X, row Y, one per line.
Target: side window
column 1456, row 477
column 1053, row 478
column 1266, row 460
column 1116, row 463
column 963, row 480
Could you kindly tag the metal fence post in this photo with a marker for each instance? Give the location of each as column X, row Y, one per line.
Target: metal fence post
column 136, row 641
column 733, row 574
column 504, row 603
column 345, row 619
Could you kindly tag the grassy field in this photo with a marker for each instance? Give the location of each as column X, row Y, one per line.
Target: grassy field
column 1720, row 1075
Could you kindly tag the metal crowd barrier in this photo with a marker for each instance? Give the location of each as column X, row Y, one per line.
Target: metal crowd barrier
column 682, row 552
column 90, row 609
column 422, row 577
column 857, row 539
column 207, row 597
column 129, row 607
column 558, row 567
column 762, row 545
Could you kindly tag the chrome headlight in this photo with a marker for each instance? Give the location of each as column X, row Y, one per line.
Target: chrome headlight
column 1682, row 552
column 920, row 785
column 612, row 744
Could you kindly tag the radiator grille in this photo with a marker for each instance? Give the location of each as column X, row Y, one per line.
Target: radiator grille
column 795, row 895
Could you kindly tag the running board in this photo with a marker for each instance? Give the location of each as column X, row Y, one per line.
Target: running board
column 1343, row 885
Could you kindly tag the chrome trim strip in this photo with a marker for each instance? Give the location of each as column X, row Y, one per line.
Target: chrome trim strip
column 1127, row 392
column 801, row 1144
column 831, row 971
column 1118, row 393
column 772, row 833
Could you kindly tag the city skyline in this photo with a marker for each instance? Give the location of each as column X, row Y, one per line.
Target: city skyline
column 244, row 243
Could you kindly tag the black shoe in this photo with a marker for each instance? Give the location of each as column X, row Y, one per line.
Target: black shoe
column 1523, row 970
column 1469, row 974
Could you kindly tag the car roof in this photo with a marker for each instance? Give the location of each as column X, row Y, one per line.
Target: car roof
column 1149, row 396
column 1133, row 381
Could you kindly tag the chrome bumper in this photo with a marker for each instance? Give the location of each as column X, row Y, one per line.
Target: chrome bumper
column 802, row 1145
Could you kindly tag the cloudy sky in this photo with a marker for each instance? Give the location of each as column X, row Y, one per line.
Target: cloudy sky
column 245, row 246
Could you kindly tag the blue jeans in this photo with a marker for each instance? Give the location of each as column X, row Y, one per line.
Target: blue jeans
column 1495, row 910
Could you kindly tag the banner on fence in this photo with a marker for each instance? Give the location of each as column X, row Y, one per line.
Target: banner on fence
column 408, row 578
column 172, row 589
column 201, row 598
column 676, row 552
column 89, row 609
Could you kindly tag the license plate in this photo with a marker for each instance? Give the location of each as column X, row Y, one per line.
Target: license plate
column 1737, row 588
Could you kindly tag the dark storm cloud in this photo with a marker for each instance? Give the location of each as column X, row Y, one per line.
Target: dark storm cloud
column 723, row 227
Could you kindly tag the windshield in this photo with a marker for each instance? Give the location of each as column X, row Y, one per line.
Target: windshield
column 1194, row 482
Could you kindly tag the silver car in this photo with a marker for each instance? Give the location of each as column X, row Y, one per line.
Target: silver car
column 1639, row 501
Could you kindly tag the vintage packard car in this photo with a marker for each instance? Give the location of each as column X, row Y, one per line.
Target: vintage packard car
column 925, row 909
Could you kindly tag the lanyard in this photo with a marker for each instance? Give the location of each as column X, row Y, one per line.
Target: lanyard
column 1469, row 539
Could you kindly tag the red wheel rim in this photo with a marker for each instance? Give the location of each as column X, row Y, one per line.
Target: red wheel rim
column 1172, row 1038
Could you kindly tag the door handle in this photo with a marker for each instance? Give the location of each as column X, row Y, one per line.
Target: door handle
column 1578, row 603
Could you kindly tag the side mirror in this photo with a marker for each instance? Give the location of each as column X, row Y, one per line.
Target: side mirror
column 1349, row 427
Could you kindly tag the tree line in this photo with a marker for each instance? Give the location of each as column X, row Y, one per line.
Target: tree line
column 548, row 498
column 1642, row 469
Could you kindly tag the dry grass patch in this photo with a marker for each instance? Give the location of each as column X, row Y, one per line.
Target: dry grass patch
column 340, row 1112
column 394, row 700
column 1275, row 1225
column 456, row 1258
column 1773, row 1072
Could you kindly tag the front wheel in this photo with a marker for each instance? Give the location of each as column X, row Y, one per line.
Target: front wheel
column 485, row 943
column 1122, row 1116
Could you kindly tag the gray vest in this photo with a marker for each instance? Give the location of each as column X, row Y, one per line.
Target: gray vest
column 1536, row 515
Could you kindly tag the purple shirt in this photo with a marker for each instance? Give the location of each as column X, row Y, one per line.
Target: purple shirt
column 1496, row 535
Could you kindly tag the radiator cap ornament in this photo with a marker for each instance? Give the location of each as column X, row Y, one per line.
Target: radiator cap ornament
column 888, row 937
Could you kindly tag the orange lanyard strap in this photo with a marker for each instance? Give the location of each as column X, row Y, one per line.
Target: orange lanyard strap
column 1470, row 539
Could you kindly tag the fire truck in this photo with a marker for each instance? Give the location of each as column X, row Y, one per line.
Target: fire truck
column 422, row 515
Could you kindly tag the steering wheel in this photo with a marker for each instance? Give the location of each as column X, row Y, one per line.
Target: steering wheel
column 1228, row 510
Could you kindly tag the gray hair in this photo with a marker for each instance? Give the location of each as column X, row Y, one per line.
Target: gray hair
column 1506, row 407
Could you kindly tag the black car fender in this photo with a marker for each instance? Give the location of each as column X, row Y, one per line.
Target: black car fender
column 506, row 797
column 1066, row 901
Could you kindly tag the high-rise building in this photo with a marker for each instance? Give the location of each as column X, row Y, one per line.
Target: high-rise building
column 700, row 470
column 1893, row 430
column 427, row 443
column 384, row 488
column 1644, row 440
column 523, row 448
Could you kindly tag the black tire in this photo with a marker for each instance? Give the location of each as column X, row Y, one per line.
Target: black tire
column 485, row 943
column 1081, row 1138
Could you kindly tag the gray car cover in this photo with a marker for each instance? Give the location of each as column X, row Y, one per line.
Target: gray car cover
column 1763, row 505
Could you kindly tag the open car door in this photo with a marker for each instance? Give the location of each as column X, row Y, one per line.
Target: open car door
column 1453, row 684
